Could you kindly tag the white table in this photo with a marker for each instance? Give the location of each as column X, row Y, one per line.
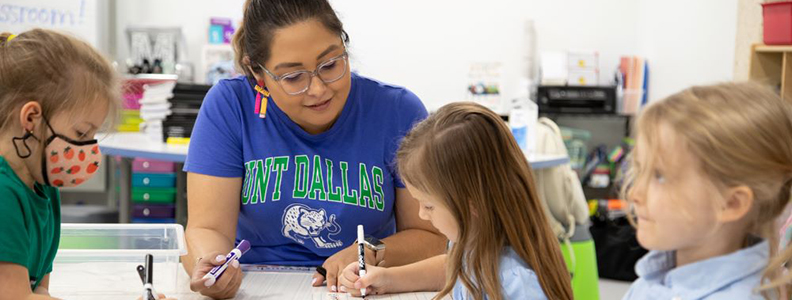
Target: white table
column 255, row 285
column 132, row 145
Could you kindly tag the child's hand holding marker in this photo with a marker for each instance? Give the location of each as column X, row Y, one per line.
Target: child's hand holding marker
column 375, row 282
column 357, row 277
column 220, row 276
column 333, row 267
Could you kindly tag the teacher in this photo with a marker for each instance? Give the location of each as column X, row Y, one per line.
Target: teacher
column 298, row 152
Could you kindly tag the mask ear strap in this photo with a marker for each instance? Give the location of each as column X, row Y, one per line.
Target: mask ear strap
column 48, row 124
column 24, row 138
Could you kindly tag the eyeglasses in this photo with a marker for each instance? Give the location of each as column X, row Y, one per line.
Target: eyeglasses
column 297, row 82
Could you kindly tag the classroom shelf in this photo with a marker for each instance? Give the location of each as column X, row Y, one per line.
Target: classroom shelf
column 772, row 65
column 772, row 48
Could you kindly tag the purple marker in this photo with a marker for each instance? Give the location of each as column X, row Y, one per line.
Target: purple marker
column 235, row 254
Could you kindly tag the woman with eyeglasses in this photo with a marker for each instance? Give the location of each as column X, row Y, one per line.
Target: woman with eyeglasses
column 295, row 154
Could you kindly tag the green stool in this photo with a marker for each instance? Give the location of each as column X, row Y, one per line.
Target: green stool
column 585, row 280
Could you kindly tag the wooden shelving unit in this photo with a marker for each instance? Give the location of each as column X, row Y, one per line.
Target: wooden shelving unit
column 772, row 65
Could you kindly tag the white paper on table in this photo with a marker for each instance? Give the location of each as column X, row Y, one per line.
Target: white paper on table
column 345, row 296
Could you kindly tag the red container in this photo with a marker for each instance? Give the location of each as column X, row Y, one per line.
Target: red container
column 777, row 23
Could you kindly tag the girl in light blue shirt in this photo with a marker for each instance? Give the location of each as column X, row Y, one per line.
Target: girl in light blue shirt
column 710, row 173
column 474, row 185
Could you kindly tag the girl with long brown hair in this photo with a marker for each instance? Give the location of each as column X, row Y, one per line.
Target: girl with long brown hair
column 476, row 187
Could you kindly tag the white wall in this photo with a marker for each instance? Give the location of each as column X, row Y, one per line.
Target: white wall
column 427, row 45
column 687, row 43
column 749, row 32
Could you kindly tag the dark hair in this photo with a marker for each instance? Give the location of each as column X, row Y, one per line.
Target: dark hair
column 253, row 38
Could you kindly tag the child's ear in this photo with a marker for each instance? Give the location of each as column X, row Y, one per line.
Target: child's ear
column 30, row 115
column 739, row 201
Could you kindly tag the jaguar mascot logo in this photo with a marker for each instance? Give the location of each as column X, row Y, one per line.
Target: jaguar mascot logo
column 301, row 222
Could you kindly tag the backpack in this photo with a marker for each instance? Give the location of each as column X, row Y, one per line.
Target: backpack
column 559, row 187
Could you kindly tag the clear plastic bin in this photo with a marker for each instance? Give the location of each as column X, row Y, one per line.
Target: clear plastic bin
column 101, row 259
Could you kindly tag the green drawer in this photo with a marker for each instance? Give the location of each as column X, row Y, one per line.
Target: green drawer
column 153, row 195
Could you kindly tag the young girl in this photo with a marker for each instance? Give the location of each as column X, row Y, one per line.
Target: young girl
column 55, row 93
column 474, row 184
column 711, row 172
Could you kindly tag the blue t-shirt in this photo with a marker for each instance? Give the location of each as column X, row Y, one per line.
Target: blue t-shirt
column 303, row 195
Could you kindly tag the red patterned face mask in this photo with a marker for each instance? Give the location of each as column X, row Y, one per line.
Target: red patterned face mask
column 69, row 163
column 65, row 162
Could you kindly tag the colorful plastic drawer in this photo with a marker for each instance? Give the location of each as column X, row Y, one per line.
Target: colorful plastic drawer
column 154, row 211
column 153, row 220
column 152, row 166
column 153, row 180
column 153, row 195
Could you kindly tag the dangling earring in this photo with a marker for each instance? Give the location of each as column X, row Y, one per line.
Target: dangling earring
column 261, row 104
column 24, row 138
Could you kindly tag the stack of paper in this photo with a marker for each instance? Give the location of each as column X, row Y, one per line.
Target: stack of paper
column 154, row 108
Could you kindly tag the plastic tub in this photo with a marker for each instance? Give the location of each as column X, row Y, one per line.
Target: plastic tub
column 100, row 259
column 777, row 23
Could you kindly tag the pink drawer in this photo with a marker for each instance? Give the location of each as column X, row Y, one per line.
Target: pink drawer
column 152, row 166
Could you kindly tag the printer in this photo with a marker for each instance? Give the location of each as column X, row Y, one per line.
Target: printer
column 577, row 99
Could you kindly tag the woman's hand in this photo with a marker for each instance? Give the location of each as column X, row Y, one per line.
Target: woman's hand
column 225, row 287
column 376, row 281
column 335, row 265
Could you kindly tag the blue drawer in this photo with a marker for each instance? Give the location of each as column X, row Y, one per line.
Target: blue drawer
column 153, row 180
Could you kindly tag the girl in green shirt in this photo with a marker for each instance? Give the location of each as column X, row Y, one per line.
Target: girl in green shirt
column 55, row 93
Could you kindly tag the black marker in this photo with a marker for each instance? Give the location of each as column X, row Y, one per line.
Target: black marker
column 148, row 286
column 361, row 256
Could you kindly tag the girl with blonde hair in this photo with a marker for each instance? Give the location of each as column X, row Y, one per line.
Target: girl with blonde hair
column 710, row 174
